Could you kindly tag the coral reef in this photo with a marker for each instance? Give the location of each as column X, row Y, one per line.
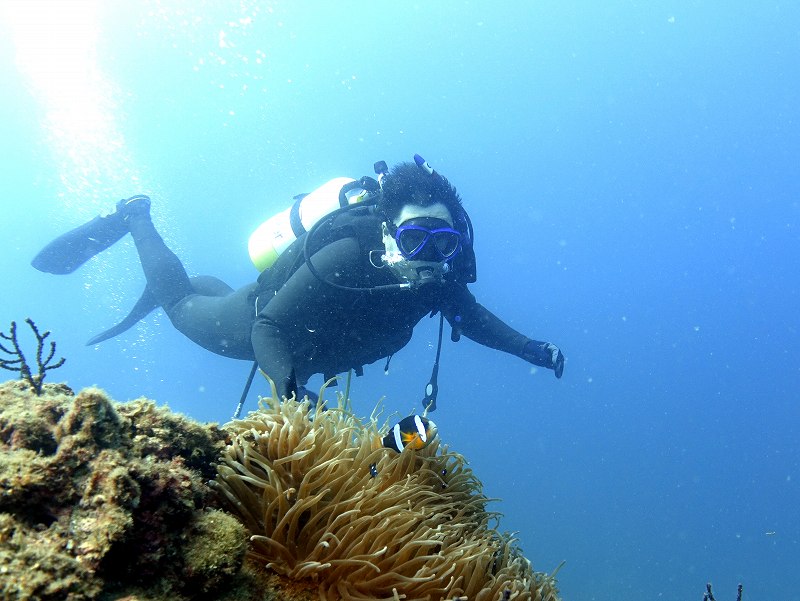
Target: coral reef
column 709, row 594
column 17, row 361
column 328, row 506
column 100, row 500
column 111, row 501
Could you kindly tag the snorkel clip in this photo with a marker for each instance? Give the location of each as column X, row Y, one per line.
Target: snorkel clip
column 381, row 170
column 423, row 164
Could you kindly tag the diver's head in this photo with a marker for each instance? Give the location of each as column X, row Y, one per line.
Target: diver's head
column 418, row 232
column 407, row 183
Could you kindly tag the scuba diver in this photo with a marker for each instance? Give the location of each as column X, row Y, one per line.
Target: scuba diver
column 339, row 289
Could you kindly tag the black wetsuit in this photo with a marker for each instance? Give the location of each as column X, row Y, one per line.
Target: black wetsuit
column 295, row 325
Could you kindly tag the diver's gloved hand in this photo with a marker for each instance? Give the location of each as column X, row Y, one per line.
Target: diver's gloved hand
column 544, row 354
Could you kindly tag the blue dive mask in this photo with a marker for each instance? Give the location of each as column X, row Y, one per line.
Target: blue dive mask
column 426, row 239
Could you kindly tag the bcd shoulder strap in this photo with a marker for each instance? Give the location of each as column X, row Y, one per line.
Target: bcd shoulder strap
column 359, row 222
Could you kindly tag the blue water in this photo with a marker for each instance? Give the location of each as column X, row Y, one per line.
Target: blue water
column 631, row 171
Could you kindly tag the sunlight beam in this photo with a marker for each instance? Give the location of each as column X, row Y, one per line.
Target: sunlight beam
column 55, row 45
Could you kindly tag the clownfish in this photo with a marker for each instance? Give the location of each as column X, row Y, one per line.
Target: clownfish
column 414, row 431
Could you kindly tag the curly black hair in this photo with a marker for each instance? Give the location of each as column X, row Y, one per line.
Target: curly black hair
column 406, row 183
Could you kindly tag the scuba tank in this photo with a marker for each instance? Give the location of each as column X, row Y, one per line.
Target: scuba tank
column 274, row 236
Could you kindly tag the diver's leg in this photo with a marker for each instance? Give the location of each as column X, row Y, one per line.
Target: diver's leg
column 203, row 285
column 218, row 319
column 220, row 324
column 166, row 277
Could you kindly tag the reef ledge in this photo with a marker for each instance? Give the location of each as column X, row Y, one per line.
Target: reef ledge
column 114, row 501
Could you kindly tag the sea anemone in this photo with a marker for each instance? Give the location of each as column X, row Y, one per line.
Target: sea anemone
column 325, row 503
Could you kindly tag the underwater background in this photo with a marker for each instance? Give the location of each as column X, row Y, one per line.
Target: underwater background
column 631, row 172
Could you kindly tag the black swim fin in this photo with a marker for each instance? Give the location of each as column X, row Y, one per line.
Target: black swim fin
column 143, row 307
column 71, row 250
column 204, row 285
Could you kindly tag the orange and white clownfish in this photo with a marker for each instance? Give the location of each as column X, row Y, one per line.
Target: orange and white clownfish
column 414, row 431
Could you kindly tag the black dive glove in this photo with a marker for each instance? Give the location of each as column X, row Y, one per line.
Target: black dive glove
column 544, row 354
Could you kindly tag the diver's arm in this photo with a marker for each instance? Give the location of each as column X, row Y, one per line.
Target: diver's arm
column 477, row 323
column 281, row 331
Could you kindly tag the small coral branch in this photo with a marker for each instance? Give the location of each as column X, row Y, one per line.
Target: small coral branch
column 709, row 595
column 16, row 359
